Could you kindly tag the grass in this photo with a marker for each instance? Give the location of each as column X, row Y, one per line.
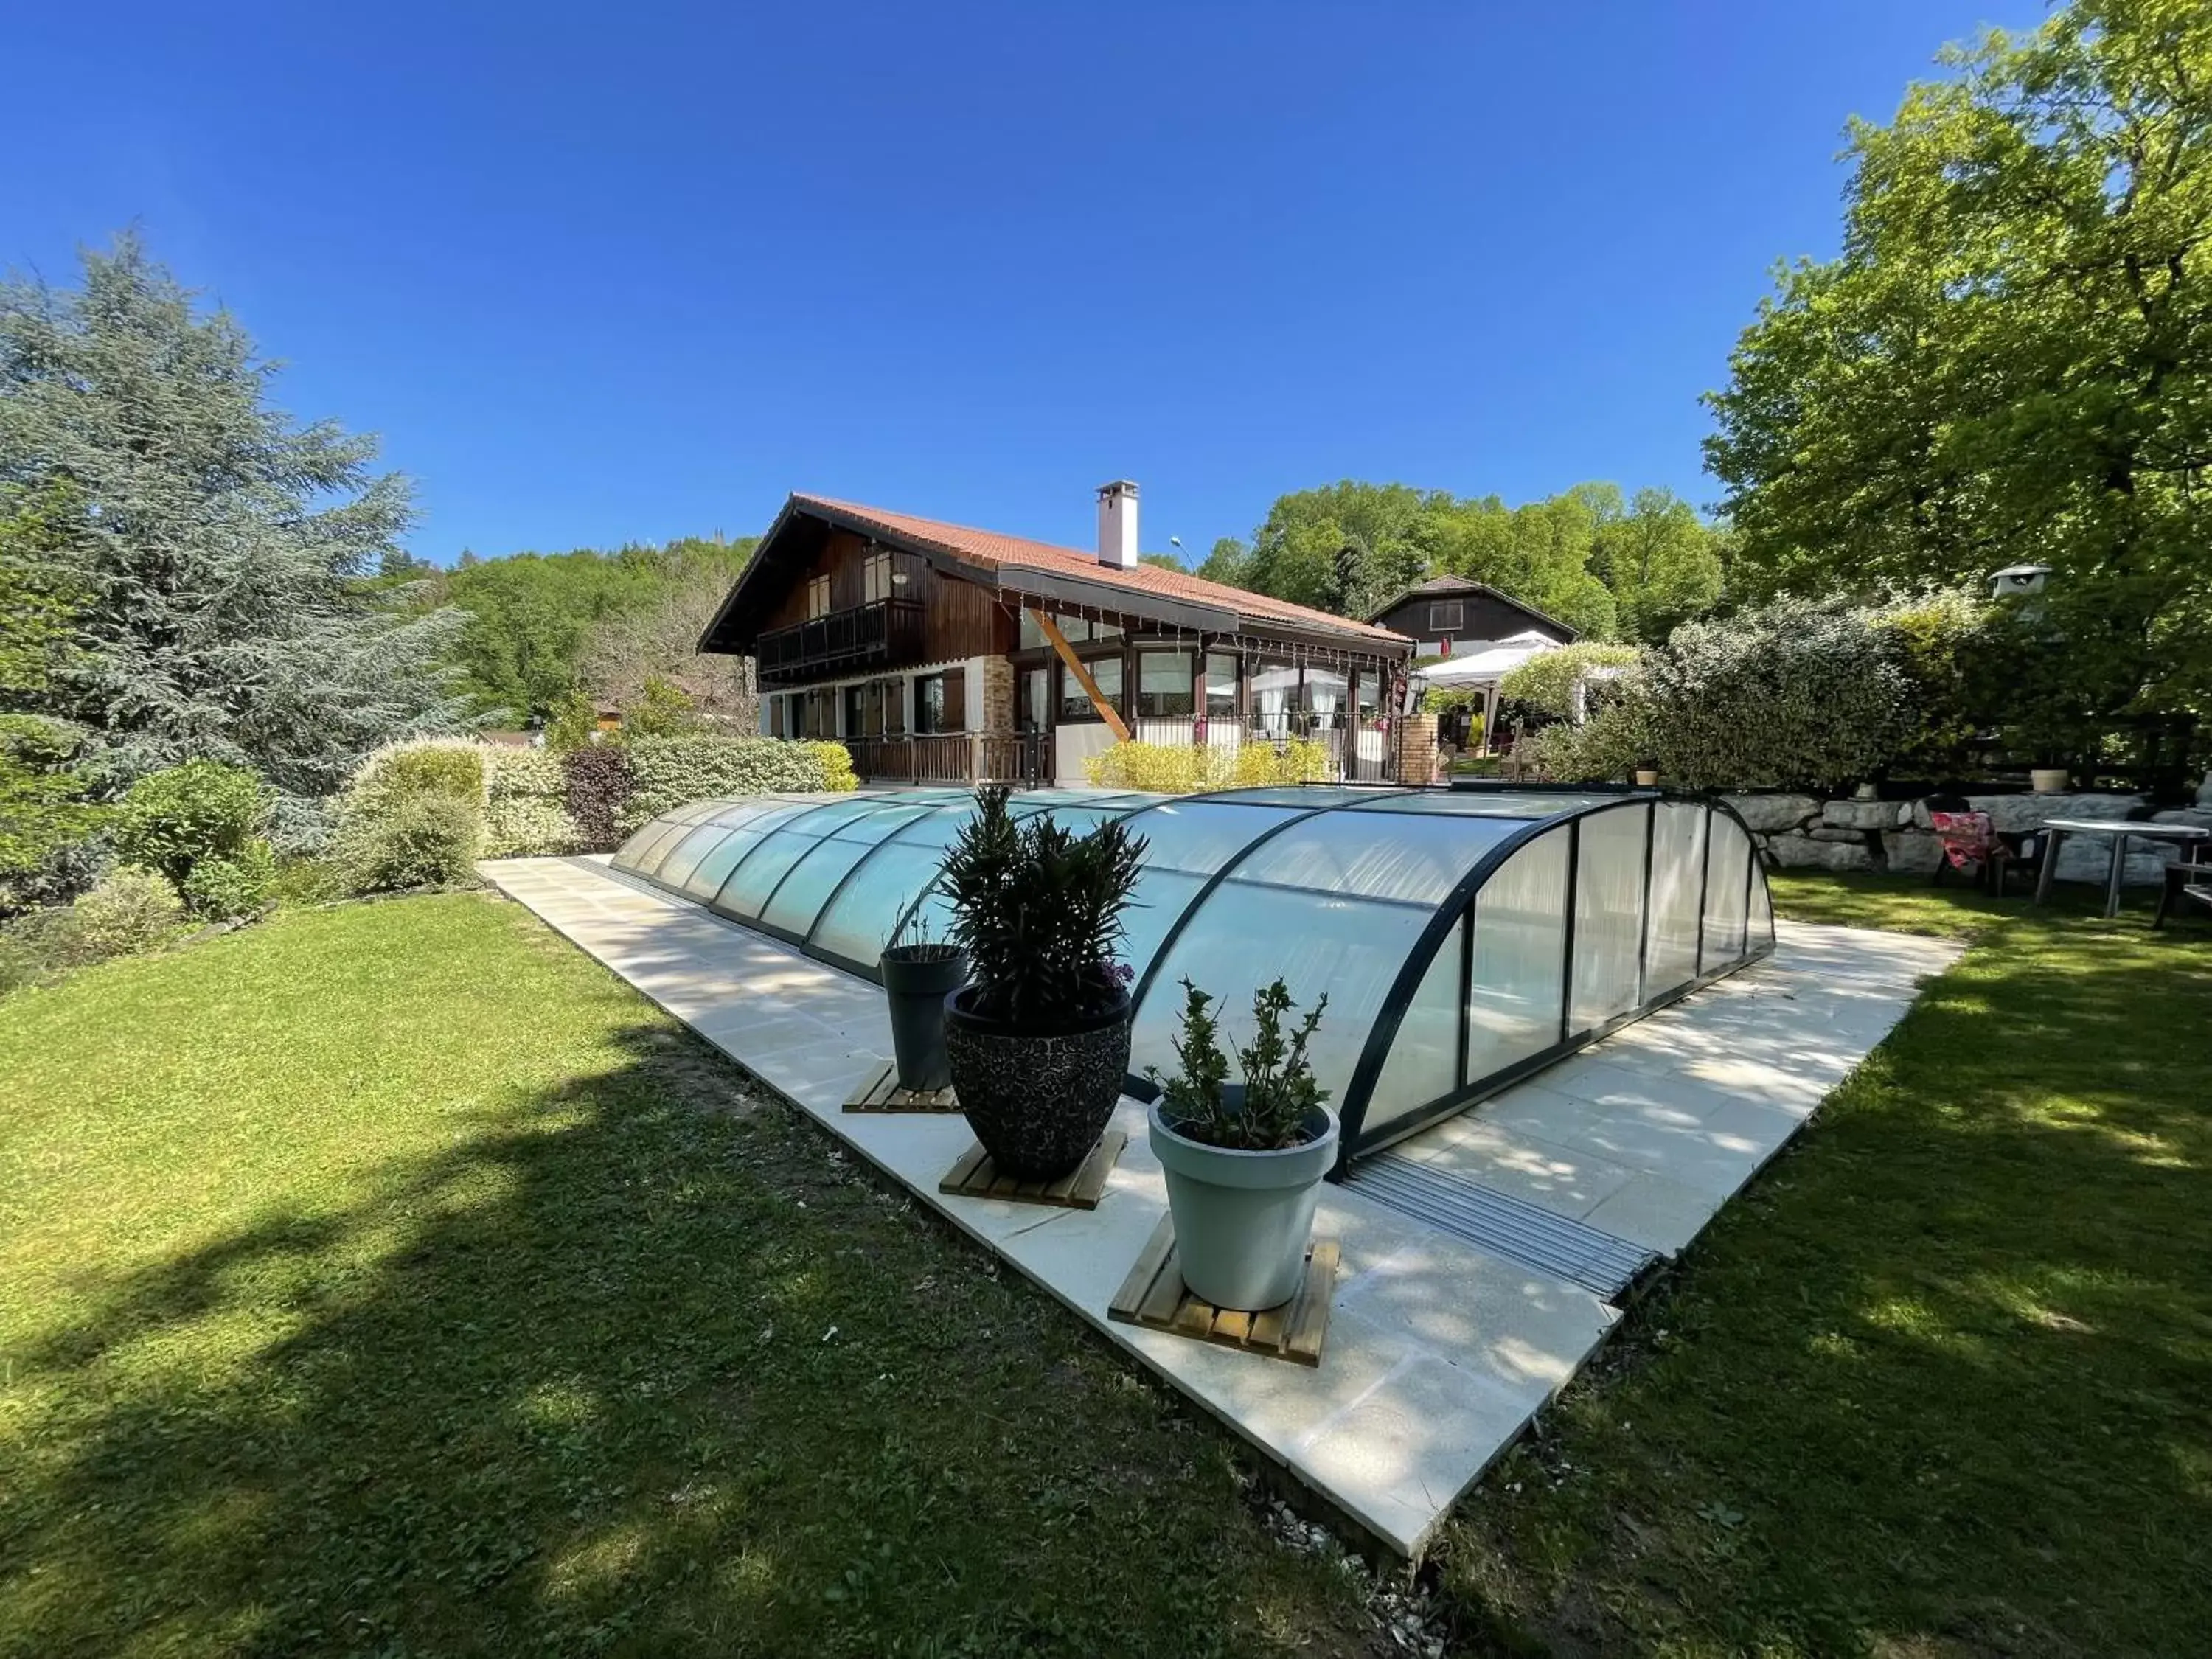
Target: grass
column 389, row 1279
column 1940, row 1382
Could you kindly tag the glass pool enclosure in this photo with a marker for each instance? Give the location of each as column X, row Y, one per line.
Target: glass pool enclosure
column 1466, row 938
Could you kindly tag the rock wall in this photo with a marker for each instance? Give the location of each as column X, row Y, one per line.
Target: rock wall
column 1802, row 832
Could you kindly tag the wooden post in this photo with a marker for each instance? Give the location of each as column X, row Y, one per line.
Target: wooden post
column 1107, row 712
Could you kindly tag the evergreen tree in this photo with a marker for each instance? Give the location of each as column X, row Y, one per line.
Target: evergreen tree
column 223, row 561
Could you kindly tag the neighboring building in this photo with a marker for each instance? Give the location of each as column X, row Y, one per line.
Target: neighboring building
column 1451, row 616
column 938, row 653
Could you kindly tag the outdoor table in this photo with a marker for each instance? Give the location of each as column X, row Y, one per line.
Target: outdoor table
column 2119, row 829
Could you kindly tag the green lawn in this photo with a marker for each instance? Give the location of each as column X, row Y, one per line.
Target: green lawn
column 389, row 1279
column 1941, row 1383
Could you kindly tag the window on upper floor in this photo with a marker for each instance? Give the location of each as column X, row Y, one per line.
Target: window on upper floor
column 1446, row 616
column 875, row 578
column 818, row 597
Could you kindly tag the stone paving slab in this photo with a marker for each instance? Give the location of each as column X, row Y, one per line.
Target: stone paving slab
column 1438, row 1354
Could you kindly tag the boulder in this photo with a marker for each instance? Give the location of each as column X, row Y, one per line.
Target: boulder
column 1772, row 814
column 2200, row 817
column 1804, row 853
column 1843, row 837
column 1864, row 814
column 2014, row 812
column 1911, row 852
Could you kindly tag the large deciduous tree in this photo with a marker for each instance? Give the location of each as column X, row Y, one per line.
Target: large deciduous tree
column 2008, row 361
column 221, row 560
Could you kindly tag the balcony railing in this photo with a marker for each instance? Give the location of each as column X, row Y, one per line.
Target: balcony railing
column 953, row 757
column 882, row 634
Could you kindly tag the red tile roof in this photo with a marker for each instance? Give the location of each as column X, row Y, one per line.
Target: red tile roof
column 988, row 547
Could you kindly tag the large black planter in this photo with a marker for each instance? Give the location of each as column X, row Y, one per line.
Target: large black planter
column 1036, row 1102
column 917, row 978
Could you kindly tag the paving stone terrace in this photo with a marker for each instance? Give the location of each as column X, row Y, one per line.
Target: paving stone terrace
column 1438, row 1354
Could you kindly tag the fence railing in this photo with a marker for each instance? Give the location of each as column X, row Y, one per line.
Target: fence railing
column 1020, row 758
column 884, row 631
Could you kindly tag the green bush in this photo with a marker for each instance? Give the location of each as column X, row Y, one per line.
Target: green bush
column 1546, row 681
column 528, row 826
column 308, row 881
column 1173, row 768
column 670, row 772
column 837, row 772
column 131, row 909
column 1942, row 644
column 203, row 811
column 428, row 840
column 234, row 886
column 525, row 775
column 1606, row 748
column 452, row 767
column 45, row 822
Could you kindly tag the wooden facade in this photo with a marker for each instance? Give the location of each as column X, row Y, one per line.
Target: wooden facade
column 1455, row 613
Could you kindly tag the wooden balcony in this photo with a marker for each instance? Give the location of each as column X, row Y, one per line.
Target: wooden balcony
column 883, row 634
column 1023, row 758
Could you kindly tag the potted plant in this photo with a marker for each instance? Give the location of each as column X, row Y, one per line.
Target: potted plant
column 1244, row 1161
column 1647, row 775
column 1038, row 1040
column 919, row 973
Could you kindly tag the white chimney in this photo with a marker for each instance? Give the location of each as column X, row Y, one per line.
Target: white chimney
column 1117, row 525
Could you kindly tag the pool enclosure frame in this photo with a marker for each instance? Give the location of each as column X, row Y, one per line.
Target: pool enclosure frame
column 877, row 821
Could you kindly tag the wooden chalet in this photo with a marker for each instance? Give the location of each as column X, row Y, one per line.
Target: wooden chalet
column 940, row 653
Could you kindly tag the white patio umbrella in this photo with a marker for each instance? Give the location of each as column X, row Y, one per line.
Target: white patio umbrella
column 1483, row 665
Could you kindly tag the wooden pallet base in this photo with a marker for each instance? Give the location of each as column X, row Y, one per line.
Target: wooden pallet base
column 1154, row 1295
column 973, row 1175
column 881, row 1093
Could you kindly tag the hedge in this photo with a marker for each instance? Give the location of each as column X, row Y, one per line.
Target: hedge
column 671, row 772
column 1187, row 769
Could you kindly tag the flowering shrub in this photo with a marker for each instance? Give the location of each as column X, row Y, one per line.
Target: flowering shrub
column 1793, row 694
column 525, row 774
column 131, row 909
column 837, row 772
column 670, row 772
column 1546, row 681
column 1187, row 769
column 528, row 826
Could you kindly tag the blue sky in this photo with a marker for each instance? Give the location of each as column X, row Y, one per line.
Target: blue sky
column 598, row 274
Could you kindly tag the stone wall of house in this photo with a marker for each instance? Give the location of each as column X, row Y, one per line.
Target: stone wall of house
column 1803, row 832
column 997, row 701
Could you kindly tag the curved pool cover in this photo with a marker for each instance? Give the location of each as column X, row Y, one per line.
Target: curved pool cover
column 1466, row 938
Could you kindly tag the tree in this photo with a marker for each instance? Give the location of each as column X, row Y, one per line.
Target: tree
column 221, row 558
column 42, row 807
column 655, row 642
column 2008, row 361
column 1661, row 562
column 1165, row 561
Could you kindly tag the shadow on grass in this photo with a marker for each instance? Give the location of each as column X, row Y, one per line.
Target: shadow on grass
column 1940, row 1382
column 612, row 1372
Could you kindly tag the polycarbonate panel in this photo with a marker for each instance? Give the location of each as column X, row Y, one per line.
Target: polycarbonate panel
column 684, row 858
column 1200, row 836
column 1515, row 986
column 756, row 878
column 1414, row 861
column 1242, row 937
column 798, row 902
column 861, row 920
column 1424, row 1063
column 1487, row 803
column 1762, row 914
column 1729, row 866
column 1678, row 872
column 1608, row 914
column 1312, row 795
column 648, row 858
column 1158, row 902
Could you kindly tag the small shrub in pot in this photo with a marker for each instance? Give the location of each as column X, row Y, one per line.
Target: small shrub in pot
column 1038, row 1041
column 1244, row 1161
